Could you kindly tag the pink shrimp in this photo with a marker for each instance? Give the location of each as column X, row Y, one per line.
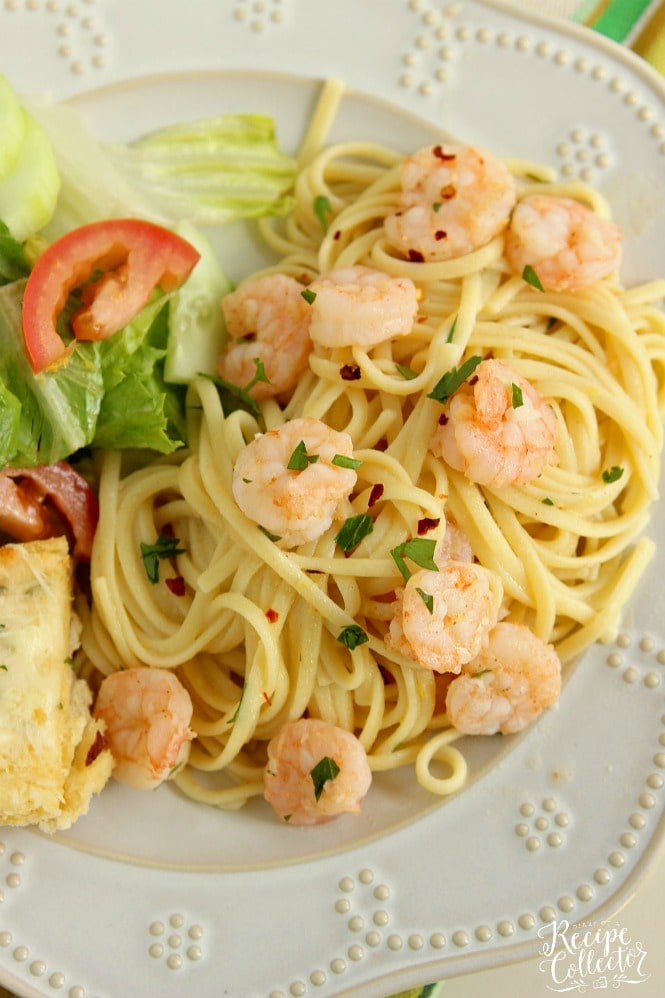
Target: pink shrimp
column 147, row 713
column 567, row 244
column 507, row 685
column 267, row 319
column 359, row 305
column 315, row 771
column 497, row 429
column 454, row 200
column 442, row 618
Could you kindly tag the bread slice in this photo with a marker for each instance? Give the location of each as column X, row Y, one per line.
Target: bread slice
column 52, row 756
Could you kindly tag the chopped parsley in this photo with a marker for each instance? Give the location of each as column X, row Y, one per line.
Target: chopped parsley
column 427, row 599
column 5, row 668
column 419, row 550
column 518, row 397
column 152, row 554
column 322, row 209
column 407, row 372
column 452, row 331
column 352, row 635
column 325, row 769
column 453, row 379
column 300, row 459
column 612, row 474
column 342, row 461
column 354, row 530
column 271, row 537
column 531, row 277
column 234, row 717
column 547, row 501
column 309, row 295
column 234, row 398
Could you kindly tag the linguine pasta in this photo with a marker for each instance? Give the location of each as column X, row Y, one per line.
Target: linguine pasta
column 253, row 630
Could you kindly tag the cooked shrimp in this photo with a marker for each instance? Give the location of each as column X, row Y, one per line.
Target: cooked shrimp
column 565, row 242
column 147, row 713
column 497, row 429
column 454, row 199
column 294, row 505
column 453, row 545
column 315, row 771
column 509, row 683
column 442, row 618
column 361, row 306
column 267, row 319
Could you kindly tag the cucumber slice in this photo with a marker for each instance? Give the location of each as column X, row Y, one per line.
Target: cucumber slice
column 28, row 194
column 196, row 322
column 12, row 128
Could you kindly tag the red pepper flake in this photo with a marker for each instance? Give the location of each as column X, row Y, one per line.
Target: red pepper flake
column 473, row 380
column 440, row 234
column 375, row 494
column 428, row 523
column 337, row 234
column 349, row 372
column 441, row 154
column 381, row 444
column 272, row 616
column 443, row 419
column 176, row 585
column 96, row 748
column 415, row 256
column 447, row 192
column 266, row 698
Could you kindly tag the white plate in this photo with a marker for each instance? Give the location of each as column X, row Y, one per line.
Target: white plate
column 150, row 894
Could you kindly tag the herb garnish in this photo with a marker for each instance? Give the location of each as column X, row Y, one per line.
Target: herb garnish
column 427, row 599
column 352, row 635
column 234, row 398
column 271, row 537
column 325, row 769
column 354, row 530
column 531, row 277
column 234, row 718
column 518, row 397
column 612, row 474
column 407, row 372
column 453, row 379
column 342, row 461
column 308, row 295
column 300, row 459
column 165, row 547
column 418, row 549
column 322, row 208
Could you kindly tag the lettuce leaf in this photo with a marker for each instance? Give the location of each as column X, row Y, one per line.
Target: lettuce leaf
column 109, row 394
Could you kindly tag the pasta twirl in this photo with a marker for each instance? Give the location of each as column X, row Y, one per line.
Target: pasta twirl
column 254, row 630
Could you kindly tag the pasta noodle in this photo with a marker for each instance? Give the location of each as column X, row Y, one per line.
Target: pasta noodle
column 253, row 629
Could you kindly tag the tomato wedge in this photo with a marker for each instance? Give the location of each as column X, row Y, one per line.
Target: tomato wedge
column 134, row 257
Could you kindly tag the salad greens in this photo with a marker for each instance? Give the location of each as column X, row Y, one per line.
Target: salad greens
column 127, row 391
column 213, row 170
column 110, row 393
column 29, row 179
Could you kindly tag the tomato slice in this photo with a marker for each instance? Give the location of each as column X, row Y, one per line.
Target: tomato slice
column 134, row 257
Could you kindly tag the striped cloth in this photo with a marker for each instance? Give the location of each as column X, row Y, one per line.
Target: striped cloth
column 638, row 24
